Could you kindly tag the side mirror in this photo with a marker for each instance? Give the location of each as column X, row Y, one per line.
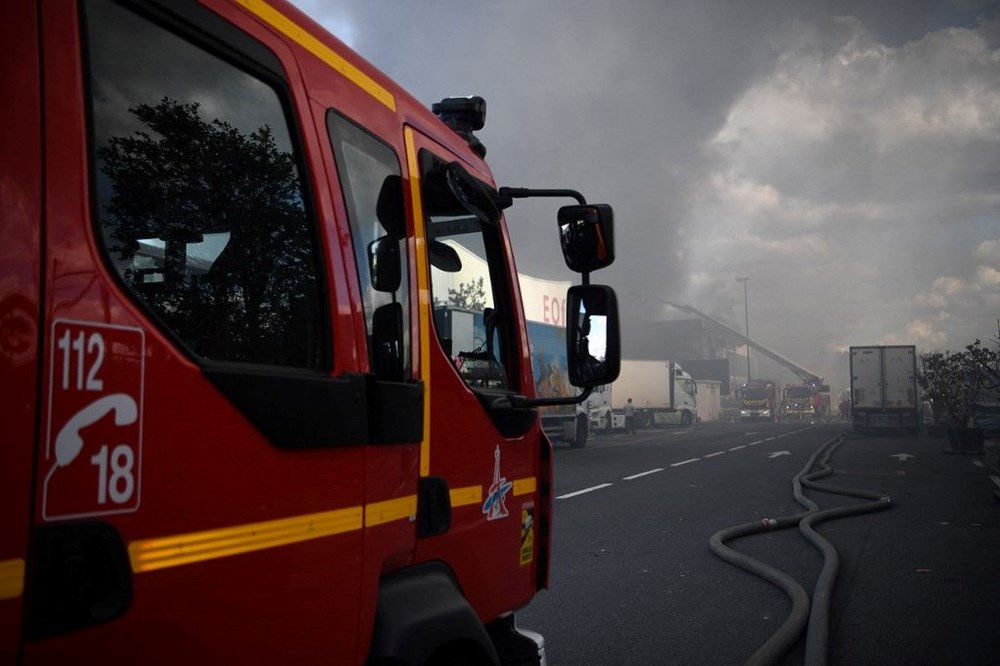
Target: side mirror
column 593, row 342
column 387, row 342
column 587, row 235
column 384, row 264
column 471, row 194
column 389, row 209
column 444, row 257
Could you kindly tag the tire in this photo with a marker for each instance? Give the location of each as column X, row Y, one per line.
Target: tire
column 686, row 418
column 582, row 426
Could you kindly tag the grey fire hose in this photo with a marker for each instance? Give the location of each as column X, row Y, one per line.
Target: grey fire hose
column 816, row 615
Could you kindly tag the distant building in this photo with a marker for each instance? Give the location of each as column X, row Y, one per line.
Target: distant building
column 706, row 348
column 701, row 348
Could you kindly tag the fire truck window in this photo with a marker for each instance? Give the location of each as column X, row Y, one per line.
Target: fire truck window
column 465, row 253
column 373, row 192
column 198, row 194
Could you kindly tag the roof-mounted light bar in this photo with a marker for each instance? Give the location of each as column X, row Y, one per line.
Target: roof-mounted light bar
column 464, row 115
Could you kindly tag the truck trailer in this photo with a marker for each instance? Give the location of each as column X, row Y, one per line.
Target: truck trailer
column 569, row 423
column 884, row 392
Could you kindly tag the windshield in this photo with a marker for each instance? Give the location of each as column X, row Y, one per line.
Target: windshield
column 755, row 394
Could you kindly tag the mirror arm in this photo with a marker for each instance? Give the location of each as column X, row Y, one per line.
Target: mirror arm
column 506, row 195
column 520, row 402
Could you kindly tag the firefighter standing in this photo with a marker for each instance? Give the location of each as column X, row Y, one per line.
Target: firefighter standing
column 629, row 418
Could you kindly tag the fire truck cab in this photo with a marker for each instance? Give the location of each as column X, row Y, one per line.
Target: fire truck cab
column 758, row 401
column 232, row 430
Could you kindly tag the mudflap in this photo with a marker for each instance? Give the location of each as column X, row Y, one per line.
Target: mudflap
column 515, row 646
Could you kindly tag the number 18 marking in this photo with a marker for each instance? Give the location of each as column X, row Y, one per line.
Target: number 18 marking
column 121, row 485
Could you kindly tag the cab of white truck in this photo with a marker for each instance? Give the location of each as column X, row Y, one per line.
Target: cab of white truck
column 685, row 392
column 662, row 393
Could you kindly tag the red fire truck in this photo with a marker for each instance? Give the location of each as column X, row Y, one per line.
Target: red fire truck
column 758, row 401
column 233, row 432
column 805, row 402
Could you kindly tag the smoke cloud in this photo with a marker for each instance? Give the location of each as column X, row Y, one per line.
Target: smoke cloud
column 845, row 157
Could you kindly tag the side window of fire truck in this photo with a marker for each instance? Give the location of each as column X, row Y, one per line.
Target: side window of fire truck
column 468, row 284
column 373, row 192
column 199, row 198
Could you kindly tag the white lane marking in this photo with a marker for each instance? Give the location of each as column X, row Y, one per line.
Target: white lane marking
column 770, row 439
column 741, row 446
column 585, row 490
column 776, row 454
column 901, row 457
column 977, row 463
column 750, row 434
column 996, row 480
column 685, row 462
column 759, row 441
column 680, row 432
column 717, row 453
column 646, row 473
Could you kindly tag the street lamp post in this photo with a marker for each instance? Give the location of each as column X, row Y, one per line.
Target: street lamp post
column 746, row 314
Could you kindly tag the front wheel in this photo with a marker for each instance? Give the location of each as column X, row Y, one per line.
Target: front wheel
column 686, row 418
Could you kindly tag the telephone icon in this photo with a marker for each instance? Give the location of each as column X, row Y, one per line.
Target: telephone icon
column 69, row 443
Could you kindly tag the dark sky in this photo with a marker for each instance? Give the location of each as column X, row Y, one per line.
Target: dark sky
column 845, row 156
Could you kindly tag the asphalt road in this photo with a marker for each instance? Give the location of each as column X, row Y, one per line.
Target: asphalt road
column 634, row 580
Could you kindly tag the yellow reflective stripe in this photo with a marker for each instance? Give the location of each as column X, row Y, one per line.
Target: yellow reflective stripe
column 423, row 296
column 466, row 496
column 296, row 33
column 525, row 486
column 11, row 579
column 380, row 513
column 172, row 551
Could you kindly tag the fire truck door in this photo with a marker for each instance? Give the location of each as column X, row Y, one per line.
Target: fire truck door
column 471, row 356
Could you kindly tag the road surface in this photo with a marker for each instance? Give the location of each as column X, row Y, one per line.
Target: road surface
column 634, row 580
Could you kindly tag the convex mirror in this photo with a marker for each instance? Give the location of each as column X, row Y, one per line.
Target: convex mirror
column 587, row 235
column 384, row 264
column 593, row 342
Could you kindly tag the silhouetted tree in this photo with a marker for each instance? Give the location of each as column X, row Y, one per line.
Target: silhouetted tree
column 959, row 380
column 186, row 177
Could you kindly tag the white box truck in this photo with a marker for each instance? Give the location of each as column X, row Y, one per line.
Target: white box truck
column 884, row 388
column 661, row 391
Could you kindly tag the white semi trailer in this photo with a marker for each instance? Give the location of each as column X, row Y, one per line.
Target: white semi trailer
column 661, row 391
column 884, row 388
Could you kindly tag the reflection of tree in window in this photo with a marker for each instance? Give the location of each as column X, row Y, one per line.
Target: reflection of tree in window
column 207, row 223
column 469, row 295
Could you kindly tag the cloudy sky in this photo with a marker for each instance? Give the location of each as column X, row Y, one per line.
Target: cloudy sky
column 845, row 156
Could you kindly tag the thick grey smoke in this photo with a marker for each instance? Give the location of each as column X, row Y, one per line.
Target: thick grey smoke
column 845, row 156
